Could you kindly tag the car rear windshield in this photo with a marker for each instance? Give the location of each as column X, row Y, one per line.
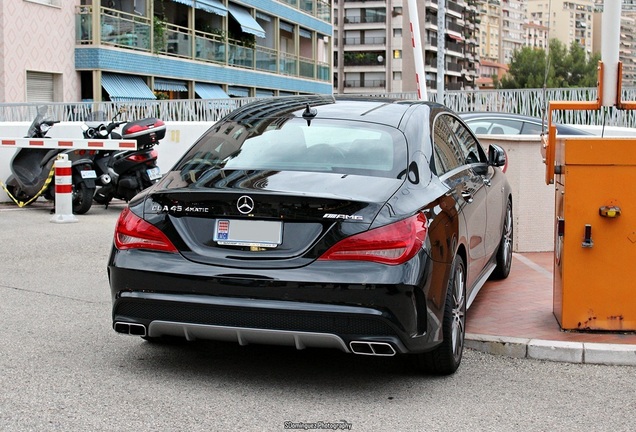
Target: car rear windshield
column 322, row 145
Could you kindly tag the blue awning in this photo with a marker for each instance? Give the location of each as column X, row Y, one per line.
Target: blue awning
column 209, row 91
column 246, row 21
column 212, row 6
column 170, row 85
column 264, row 93
column 264, row 17
column 304, row 33
column 126, row 87
column 238, row 91
column 286, row 26
column 185, row 2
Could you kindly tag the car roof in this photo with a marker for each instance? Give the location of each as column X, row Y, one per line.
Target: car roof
column 379, row 110
column 562, row 129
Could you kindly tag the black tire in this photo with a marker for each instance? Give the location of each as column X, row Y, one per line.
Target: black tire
column 504, row 250
column 82, row 198
column 446, row 357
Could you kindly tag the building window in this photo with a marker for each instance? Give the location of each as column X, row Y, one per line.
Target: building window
column 397, row 32
column 397, row 76
column 397, row 11
column 397, row 54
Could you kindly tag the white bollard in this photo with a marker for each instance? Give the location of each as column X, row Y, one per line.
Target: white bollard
column 63, row 191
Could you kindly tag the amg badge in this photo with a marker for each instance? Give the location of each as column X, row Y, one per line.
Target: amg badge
column 342, row 216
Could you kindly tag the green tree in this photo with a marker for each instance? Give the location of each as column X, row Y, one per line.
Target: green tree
column 566, row 67
column 526, row 69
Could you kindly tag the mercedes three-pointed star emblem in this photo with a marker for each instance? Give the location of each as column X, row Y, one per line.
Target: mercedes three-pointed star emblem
column 245, row 204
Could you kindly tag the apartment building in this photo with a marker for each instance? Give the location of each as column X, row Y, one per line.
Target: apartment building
column 490, row 28
column 537, row 36
column 627, row 44
column 568, row 20
column 71, row 50
column 513, row 18
column 373, row 52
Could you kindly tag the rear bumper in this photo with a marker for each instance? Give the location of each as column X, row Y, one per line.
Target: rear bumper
column 306, row 310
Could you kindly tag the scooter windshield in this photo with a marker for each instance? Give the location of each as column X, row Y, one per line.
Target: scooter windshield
column 34, row 129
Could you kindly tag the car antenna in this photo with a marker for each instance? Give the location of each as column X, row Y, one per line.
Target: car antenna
column 309, row 114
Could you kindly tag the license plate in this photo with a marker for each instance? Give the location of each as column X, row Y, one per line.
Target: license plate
column 234, row 232
column 88, row 174
column 154, row 173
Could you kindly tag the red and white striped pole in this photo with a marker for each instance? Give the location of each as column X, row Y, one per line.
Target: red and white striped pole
column 63, row 191
column 418, row 51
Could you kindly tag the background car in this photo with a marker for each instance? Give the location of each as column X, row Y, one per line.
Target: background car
column 499, row 123
column 358, row 224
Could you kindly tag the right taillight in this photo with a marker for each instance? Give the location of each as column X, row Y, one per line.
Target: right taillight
column 391, row 244
column 132, row 232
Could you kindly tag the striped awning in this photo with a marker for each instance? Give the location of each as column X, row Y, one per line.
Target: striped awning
column 238, row 91
column 126, row 87
column 286, row 26
column 209, row 91
column 185, row 2
column 170, row 85
column 264, row 93
column 263, row 16
column 211, row 6
column 246, row 21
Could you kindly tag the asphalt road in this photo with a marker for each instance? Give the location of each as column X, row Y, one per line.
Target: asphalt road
column 62, row 367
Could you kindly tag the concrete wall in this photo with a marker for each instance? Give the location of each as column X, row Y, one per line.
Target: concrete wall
column 37, row 37
column 533, row 199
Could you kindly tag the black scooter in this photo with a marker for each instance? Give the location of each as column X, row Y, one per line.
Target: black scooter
column 123, row 174
column 32, row 170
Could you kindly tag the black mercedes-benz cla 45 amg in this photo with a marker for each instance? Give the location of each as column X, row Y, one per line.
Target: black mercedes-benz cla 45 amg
column 366, row 225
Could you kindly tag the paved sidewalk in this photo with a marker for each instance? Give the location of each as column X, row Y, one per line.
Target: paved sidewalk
column 514, row 317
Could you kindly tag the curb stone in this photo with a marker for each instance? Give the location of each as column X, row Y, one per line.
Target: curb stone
column 558, row 351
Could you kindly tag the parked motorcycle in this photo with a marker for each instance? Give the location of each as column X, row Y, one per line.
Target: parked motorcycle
column 123, row 174
column 32, row 170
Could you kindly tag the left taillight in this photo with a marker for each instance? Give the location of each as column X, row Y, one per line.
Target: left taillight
column 132, row 232
column 391, row 244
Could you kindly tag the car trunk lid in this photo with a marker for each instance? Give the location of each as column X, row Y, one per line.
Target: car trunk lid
column 266, row 218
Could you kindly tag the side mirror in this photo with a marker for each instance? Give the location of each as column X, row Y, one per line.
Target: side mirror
column 496, row 156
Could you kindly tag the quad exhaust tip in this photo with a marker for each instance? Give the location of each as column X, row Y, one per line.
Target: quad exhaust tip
column 130, row 328
column 372, row 348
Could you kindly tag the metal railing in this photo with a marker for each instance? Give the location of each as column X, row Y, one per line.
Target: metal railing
column 167, row 110
column 532, row 102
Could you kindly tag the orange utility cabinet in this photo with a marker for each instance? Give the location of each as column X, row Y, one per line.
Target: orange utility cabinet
column 595, row 233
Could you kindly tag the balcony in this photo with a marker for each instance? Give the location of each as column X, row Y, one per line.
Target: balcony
column 357, row 19
column 454, row 27
column 319, row 8
column 454, row 7
column 365, row 41
column 455, row 47
column 132, row 32
column 365, row 83
column 364, row 58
